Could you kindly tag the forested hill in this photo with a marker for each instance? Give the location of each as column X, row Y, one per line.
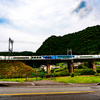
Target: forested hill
column 86, row 41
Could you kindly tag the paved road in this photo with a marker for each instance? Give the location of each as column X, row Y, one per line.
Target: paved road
column 72, row 96
column 47, row 90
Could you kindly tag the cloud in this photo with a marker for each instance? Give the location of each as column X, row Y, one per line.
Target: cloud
column 80, row 6
column 82, row 9
column 30, row 22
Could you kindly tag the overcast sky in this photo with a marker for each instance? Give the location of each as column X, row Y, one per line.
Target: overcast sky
column 30, row 22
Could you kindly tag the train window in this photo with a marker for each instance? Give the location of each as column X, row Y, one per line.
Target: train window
column 33, row 57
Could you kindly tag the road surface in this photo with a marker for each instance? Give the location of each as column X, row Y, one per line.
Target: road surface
column 49, row 90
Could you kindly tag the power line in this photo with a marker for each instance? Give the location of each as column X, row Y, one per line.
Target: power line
column 27, row 42
column 3, row 41
column 22, row 42
column 3, row 44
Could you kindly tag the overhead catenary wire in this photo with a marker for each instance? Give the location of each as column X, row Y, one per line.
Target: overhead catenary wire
column 31, row 42
column 3, row 44
column 28, row 42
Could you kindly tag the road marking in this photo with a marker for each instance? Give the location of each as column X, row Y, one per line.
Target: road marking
column 45, row 93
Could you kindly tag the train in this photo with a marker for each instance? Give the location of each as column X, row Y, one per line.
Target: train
column 47, row 57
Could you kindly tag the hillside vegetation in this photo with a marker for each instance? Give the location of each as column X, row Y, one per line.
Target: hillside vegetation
column 86, row 41
column 24, row 53
column 15, row 69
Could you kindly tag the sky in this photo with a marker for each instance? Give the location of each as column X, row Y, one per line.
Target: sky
column 30, row 22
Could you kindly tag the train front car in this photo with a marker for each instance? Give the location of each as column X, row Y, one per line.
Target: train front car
column 64, row 56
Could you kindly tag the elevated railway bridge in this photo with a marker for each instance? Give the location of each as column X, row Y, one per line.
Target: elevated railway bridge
column 49, row 60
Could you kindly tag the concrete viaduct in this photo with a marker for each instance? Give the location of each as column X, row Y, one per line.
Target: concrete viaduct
column 70, row 62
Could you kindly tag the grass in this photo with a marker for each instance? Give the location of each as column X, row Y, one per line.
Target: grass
column 21, row 79
column 78, row 79
column 68, row 79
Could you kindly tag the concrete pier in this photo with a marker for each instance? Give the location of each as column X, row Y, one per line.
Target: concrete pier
column 92, row 66
column 48, row 68
column 70, row 67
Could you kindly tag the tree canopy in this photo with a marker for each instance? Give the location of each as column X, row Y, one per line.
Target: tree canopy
column 86, row 41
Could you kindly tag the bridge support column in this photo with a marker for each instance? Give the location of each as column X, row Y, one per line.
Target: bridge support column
column 48, row 68
column 92, row 66
column 70, row 67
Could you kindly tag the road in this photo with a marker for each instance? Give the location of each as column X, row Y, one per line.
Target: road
column 67, row 96
column 48, row 90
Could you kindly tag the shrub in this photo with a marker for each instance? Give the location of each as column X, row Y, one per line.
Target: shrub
column 60, row 69
column 78, row 70
column 86, row 64
column 98, row 70
column 77, row 74
column 48, row 75
column 72, row 74
column 64, row 73
column 42, row 70
column 57, row 74
column 52, row 70
column 96, row 74
column 81, row 67
column 87, row 72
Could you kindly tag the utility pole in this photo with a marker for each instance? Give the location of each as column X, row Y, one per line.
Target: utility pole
column 10, row 48
column 69, row 51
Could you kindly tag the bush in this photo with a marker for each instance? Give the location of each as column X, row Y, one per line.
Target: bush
column 81, row 67
column 42, row 70
column 64, row 74
column 72, row 74
column 98, row 70
column 86, row 64
column 60, row 69
column 57, row 74
column 48, row 75
column 96, row 74
column 78, row 70
column 52, row 70
column 77, row 74
column 87, row 72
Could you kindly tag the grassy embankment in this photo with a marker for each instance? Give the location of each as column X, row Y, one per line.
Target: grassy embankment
column 78, row 79
column 15, row 69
